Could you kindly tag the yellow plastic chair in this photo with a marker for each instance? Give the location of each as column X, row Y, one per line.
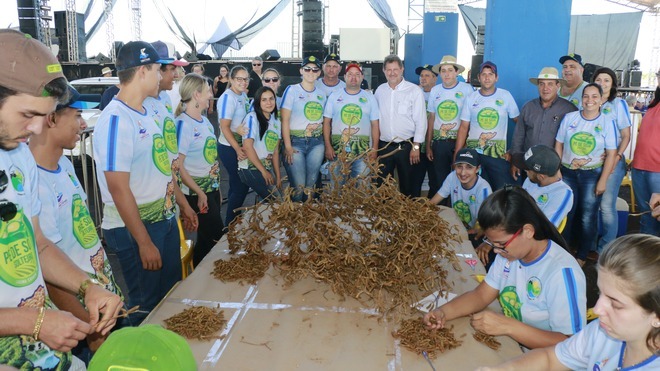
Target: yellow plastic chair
column 562, row 225
column 186, row 252
column 627, row 182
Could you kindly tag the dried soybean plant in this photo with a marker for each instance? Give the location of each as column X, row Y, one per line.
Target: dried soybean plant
column 366, row 241
column 197, row 322
column 416, row 337
column 487, row 340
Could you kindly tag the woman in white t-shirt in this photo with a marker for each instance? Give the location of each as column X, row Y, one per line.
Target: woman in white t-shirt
column 626, row 335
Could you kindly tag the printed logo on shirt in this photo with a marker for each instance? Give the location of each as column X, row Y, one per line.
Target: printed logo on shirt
column 533, row 288
column 351, row 114
column 488, row 118
column 459, row 95
column 582, row 143
column 159, row 155
column 499, row 102
column 74, row 180
column 142, row 131
column 196, row 134
column 313, row 111
column 510, row 303
column 169, row 133
column 607, row 110
column 60, row 198
column 17, row 179
column 168, row 107
column 210, row 150
column 270, row 140
column 575, row 102
column 542, row 199
column 472, row 199
column 599, row 365
column 463, row 211
column 447, row 110
column 362, row 100
column 598, row 128
column 83, row 226
column 18, row 262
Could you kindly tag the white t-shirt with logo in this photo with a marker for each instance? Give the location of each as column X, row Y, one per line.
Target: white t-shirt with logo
column 619, row 109
column 197, row 142
column 555, row 200
column 466, row 202
column 585, row 141
column 21, row 281
column 327, row 90
column 576, row 96
column 234, row 107
column 488, row 116
column 351, row 116
column 65, row 220
column 306, row 110
column 548, row 293
column 126, row 140
column 447, row 105
column 264, row 147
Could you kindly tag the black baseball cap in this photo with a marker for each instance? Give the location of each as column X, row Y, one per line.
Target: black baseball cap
column 311, row 59
column 332, row 57
column 468, row 156
column 427, row 67
column 542, row 159
column 573, row 57
column 79, row 101
column 135, row 54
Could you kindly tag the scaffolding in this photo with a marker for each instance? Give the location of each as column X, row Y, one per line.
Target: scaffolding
column 44, row 22
column 109, row 29
column 296, row 18
column 72, row 30
column 136, row 18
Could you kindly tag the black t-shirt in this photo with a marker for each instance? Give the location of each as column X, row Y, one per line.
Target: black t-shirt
column 255, row 84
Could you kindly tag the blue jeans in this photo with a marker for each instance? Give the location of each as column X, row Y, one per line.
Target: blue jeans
column 497, row 172
column 608, row 213
column 644, row 184
column 358, row 168
column 146, row 288
column 253, row 179
column 307, row 160
column 585, row 204
column 237, row 190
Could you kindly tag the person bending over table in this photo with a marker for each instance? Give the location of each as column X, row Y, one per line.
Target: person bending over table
column 540, row 286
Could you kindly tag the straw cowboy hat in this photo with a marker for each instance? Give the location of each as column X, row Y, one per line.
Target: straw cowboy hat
column 547, row 73
column 448, row 59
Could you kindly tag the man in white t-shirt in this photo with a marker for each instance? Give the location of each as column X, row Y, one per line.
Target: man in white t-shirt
column 572, row 70
column 544, row 183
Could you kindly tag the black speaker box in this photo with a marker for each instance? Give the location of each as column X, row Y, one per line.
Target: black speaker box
column 477, row 60
column 589, row 70
column 270, row 55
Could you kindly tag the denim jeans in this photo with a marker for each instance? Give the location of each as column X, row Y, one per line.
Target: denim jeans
column 646, row 183
column 253, row 179
column 608, row 214
column 583, row 228
column 237, row 190
column 443, row 156
column 497, row 172
column 146, row 288
column 210, row 228
column 358, row 168
column 307, row 160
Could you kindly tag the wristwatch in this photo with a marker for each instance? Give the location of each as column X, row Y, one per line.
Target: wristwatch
column 415, row 147
column 85, row 285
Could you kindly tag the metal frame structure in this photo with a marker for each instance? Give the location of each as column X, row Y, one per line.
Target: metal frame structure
column 72, row 30
column 136, row 18
column 44, row 22
column 109, row 29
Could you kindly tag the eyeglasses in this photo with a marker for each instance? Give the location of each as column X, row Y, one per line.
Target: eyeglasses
column 242, row 79
column 256, row 64
column 311, row 69
column 7, row 210
column 274, row 79
column 4, row 180
column 497, row 245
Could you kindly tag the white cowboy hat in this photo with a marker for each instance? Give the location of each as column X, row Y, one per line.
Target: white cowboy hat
column 547, row 73
column 448, row 59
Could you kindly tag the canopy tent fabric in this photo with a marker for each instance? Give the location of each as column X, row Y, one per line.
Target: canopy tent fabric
column 605, row 40
column 384, row 12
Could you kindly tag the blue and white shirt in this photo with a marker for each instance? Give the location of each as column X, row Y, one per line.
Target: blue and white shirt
column 234, row 107
column 263, row 146
column 585, row 141
column 351, row 116
column 555, row 200
column 447, row 105
column 466, row 202
column 306, row 110
column 327, row 90
column 197, row 142
column 619, row 109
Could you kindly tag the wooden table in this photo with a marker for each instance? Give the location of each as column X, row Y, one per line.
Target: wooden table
column 307, row 327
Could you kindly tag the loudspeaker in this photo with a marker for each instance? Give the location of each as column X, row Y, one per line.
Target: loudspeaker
column 477, row 60
column 117, row 46
column 270, row 55
column 190, row 57
column 61, row 31
column 589, row 70
column 635, row 79
column 28, row 18
column 102, row 59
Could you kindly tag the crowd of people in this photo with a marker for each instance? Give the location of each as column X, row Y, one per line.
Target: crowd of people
column 157, row 156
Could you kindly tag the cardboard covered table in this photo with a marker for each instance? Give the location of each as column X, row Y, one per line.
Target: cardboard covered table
column 307, row 327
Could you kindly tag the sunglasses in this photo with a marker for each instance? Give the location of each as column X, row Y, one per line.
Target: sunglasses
column 256, row 64
column 497, row 245
column 274, row 79
column 311, row 69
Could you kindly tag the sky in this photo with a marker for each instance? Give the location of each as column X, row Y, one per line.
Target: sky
column 204, row 15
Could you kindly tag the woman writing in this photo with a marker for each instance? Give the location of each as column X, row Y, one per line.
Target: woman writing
column 232, row 107
column 618, row 108
column 261, row 145
column 302, row 129
column 626, row 335
column 198, row 157
column 538, row 283
column 582, row 139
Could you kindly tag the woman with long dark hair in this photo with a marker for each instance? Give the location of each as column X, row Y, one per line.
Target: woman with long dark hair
column 540, row 286
column 618, row 108
column 261, row 169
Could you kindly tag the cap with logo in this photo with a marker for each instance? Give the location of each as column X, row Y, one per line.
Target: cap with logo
column 488, row 64
column 353, row 65
column 147, row 347
column 572, row 57
column 448, row 60
column 311, row 60
column 468, row 156
column 166, row 57
column 136, row 54
column 542, row 159
column 332, row 57
column 547, row 73
column 79, row 101
column 426, row 67
column 28, row 64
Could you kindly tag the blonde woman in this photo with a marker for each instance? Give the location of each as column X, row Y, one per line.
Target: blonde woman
column 198, row 157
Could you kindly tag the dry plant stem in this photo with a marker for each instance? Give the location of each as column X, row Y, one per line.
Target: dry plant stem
column 197, row 322
column 416, row 337
column 486, row 339
column 367, row 242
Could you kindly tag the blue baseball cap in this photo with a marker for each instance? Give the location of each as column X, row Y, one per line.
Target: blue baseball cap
column 135, row 54
column 488, row 64
column 79, row 101
column 572, row 57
